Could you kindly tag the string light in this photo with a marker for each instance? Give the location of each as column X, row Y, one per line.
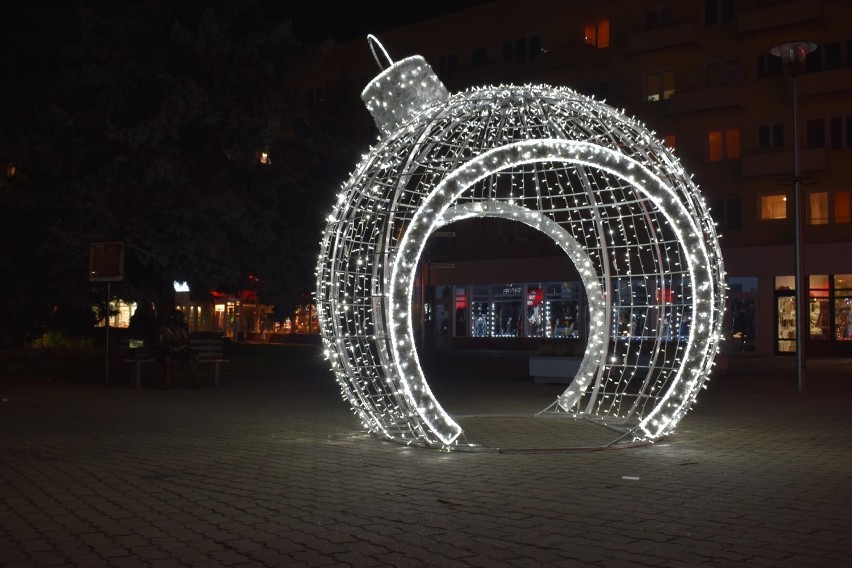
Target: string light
column 597, row 182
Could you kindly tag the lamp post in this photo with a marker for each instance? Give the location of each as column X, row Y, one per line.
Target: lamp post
column 793, row 54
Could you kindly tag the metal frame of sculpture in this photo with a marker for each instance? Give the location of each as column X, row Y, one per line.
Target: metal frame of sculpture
column 597, row 182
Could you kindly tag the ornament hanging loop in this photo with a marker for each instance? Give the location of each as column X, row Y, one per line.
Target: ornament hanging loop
column 373, row 41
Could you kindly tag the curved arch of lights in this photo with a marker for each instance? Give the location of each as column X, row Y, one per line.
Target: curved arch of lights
column 594, row 357
column 597, row 182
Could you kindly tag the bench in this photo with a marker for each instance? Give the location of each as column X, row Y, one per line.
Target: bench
column 134, row 352
column 207, row 350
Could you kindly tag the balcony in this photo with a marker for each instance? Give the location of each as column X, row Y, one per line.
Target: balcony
column 711, row 98
column 664, row 37
column 785, row 14
column 781, row 163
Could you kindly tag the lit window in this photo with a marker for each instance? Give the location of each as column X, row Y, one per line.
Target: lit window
column 785, row 282
column 264, row 158
column 670, row 140
column 659, row 86
column 842, row 308
column 773, row 207
column 723, row 144
column 841, row 207
column 596, row 33
column 732, row 143
column 818, row 306
column 818, row 208
column 715, row 149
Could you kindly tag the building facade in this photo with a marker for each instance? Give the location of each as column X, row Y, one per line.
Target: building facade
column 699, row 73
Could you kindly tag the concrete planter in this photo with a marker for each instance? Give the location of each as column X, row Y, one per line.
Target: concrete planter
column 553, row 370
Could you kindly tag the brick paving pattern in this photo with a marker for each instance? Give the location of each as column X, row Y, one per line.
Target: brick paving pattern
column 272, row 469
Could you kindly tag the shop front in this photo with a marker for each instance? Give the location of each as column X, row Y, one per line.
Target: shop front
column 523, row 315
column 828, row 322
column 761, row 314
column 508, row 315
column 760, row 319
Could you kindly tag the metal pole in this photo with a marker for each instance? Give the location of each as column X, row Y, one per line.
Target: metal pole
column 106, row 339
column 794, row 54
column 802, row 311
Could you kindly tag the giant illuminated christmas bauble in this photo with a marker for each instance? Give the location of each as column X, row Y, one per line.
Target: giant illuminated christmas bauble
column 597, row 182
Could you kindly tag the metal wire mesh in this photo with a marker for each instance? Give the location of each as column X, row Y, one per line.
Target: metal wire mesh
column 621, row 197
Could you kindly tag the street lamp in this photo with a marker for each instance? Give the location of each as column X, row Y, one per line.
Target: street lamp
column 793, row 54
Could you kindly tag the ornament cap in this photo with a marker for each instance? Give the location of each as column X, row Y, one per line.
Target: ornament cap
column 401, row 91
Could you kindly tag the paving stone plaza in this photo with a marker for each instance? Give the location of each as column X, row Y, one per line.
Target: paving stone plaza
column 272, row 469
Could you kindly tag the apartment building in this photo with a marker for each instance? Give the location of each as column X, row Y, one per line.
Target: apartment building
column 699, row 73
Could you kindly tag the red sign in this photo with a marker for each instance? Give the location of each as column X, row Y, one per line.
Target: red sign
column 461, row 300
column 535, row 297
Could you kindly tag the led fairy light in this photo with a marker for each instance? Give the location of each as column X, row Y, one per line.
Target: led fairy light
column 596, row 182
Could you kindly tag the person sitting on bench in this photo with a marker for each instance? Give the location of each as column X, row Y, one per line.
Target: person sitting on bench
column 173, row 342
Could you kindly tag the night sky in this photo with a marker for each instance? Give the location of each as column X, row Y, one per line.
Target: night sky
column 345, row 21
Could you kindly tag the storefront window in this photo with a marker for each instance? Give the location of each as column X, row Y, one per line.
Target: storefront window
column 564, row 317
column 644, row 308
column 537, row 313
column 438, row 312
column 743, row 307
column 785, row 313
column 462, row 327
column 480, row 311
column 819, row 316
column 520, row 310
column 742, row 311
column 742, row 325
column 508, row 311
column 843, row 306
column 829, row 309
column 633, row 316
column 786, row 324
